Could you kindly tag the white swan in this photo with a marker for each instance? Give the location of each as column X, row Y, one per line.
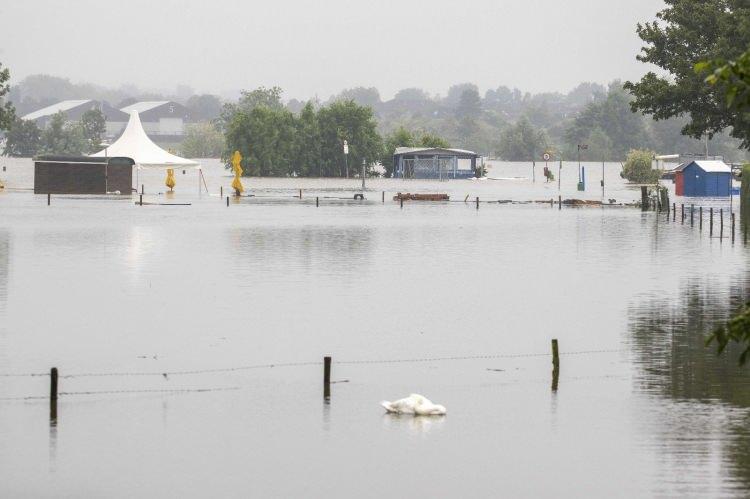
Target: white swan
column 414, row 404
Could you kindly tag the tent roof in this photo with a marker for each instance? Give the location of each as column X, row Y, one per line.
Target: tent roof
column 134, row 143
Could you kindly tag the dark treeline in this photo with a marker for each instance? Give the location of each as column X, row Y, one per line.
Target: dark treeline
column 503, row 122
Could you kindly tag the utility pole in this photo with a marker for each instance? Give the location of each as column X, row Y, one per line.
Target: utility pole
column 363, row 175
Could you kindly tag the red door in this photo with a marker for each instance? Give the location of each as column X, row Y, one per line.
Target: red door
column 679, row 184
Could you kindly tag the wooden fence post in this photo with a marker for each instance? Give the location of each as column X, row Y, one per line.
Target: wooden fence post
column 327, row 377
column 555, row 365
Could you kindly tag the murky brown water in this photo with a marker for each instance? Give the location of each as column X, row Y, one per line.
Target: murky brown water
column 93, row 285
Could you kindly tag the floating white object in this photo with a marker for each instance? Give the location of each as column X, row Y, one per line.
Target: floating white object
column 414, row 404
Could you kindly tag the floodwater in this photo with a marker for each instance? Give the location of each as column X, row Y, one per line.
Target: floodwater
column 96, row 285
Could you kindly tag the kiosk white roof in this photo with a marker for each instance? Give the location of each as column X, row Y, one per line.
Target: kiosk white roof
column 135, row 144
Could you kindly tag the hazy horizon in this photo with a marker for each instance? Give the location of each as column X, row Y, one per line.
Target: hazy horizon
column 318, row 50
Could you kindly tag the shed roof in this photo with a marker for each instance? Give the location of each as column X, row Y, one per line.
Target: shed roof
column 433, row 150
column 709, row 166
column 55, row 108
column 144, row 106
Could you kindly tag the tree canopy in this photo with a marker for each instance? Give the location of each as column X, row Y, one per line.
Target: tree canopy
column 273, row 141
column 7, row 112
column 685, row 33
column 522, row 142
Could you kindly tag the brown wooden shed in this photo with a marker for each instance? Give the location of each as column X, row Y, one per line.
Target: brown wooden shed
column 82, row 175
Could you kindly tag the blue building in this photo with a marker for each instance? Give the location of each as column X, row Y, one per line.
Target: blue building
column 704, row 178
column 432, row 162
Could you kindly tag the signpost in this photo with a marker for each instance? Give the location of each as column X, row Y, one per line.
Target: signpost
column 546, row 156
column 346, row 157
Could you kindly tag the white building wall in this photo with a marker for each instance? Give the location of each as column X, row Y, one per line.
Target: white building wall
column 171, row 126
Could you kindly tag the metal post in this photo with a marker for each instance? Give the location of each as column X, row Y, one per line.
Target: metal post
column 363, row 174
column 559, row 174
column 732, row 227
column 477, row 202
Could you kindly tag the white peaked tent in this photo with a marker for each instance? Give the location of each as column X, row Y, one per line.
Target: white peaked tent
column 135, row 144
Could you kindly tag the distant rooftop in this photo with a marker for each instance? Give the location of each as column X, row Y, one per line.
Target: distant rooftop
column 55, row 108
column 416, row 150
column 707, row 165
column 144, row 106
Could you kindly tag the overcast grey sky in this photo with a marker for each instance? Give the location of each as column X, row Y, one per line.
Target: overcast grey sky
column 314, row 48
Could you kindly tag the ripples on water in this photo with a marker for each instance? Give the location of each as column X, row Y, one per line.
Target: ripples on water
column 95, row 285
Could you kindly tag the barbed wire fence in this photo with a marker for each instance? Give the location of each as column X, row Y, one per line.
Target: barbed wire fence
column 233, row 369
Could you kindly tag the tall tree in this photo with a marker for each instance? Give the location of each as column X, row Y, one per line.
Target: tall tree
column 265, row 138
column 307, row 159
column 346, row 120
column 7, row 113
column 202, row 140
column 23, row 139
column 61, row 137
column 94, row 126
column 204, row 107
column 685, row 33
column 522, row 142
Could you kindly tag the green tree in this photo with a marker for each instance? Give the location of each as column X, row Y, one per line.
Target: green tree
column 522, row 142
column 61, row 137
column 600, row 146
column 307, row 159
column 684, row 34
column 249, row 100
column 202, row 140
column 346, row 120
column 613, row 116
column 204, row 107
column 265, row 138
column 7, row 112
column 431, row 140
column 401, row 137
column 94, row 127
column 638, row 169
column 23, row 139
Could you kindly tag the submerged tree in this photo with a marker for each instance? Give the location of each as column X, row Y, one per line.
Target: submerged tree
column 638, row 169
column 346, row 120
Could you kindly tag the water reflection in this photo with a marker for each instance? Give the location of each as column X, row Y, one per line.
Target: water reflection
column 705, row 407
column 344, row 248
column 416, row 425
